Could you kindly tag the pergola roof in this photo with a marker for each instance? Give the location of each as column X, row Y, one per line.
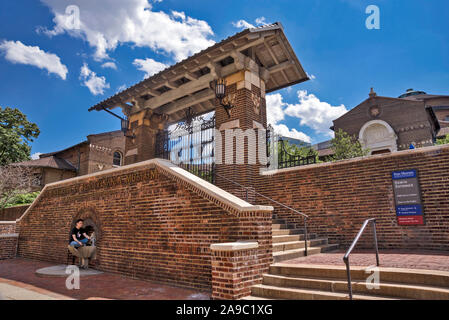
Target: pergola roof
column 187, row 84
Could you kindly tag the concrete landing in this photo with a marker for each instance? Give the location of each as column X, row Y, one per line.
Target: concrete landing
column 60, row 271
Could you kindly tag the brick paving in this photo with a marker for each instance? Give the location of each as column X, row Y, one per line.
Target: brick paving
column 106, row 286
column 426, row 260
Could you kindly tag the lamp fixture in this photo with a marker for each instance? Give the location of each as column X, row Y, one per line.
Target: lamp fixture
column 219, row 87
column 124, row 123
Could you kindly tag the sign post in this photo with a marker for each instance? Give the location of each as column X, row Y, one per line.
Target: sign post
column 407, row 196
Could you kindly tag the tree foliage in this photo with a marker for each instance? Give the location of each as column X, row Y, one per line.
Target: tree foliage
column 444, row 140
column 346, row 146
column 16, row 133
column 293, row 149
column 14, row 180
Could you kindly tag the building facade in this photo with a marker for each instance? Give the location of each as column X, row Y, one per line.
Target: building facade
column 384, row 124
column 99, row 152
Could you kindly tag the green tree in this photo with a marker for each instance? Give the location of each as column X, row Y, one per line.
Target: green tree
column 16, row 132
column 346, row 147
column 444, row 140
column 302, row 151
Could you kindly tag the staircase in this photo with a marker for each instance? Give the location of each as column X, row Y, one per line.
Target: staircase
column 288, row 242
column 316, row 282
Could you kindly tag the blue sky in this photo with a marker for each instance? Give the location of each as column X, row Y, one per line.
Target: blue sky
column 54, row 74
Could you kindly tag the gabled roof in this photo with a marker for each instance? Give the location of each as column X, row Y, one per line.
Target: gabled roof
column 267, row 45
column 48, row 162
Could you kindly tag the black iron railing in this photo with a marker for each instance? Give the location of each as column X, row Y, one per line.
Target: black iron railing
column 248, row 190
column 354, row 243
column 190, row 146
column 286, row 159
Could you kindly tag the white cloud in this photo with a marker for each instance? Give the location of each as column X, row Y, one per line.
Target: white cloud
column 284, row 131
column 149, row 66
column 275, row 112
column 311, row 76
column 95, row 83
column 314, row 113
column 121, row 88
column 17, row 52
column 242, row 24
column 110, row 65
column 261, row 21
column 36, row 155
column 106, row 24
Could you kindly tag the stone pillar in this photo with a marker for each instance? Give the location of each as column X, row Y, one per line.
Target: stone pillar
column 235, row 269
column 246, row 92
column 141, row 141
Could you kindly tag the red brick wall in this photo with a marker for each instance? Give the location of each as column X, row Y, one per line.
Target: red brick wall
column 235, row 272
column 13, row 213
column 151, row 225
column 338, row 197
column 8, row 246
column 7, row 227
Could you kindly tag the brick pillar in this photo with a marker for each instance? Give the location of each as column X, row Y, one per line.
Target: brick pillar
column 235, row 269
column 141, row 145
column 246, row 91
column 8, row 245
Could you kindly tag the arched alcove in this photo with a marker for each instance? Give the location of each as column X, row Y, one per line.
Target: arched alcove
column 378, row 136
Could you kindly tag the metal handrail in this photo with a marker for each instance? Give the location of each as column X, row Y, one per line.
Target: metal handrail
column 357, row 237
column 306, row 238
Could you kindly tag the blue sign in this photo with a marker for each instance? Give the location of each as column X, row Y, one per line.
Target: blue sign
column 409, row 210
column 404, row 174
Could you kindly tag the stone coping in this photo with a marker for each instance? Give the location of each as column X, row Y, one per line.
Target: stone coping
column 363, row 268
column 224, row 199
column 366, row 158
column 9, row 235
column 234, row 246
column 7, row 222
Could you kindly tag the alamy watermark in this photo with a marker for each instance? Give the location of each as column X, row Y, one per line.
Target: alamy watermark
column 373, row 20
column 72, row 17
column 73, row 280
column 373, row 280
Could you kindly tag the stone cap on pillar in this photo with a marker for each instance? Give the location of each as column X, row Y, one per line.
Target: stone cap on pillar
column 234, row 246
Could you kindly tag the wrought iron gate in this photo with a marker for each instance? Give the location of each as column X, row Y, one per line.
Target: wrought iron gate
column 191, row 145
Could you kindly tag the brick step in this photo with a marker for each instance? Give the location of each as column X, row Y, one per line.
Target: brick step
column 390, row 275
column 297, row 244
column 277, row 292
column 298, row 253
column 284, row 232
column 292, row 237
column 402, row 291
column 282, row 226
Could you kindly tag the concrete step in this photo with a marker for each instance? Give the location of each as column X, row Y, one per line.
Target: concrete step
column 296, row 243
column 286, row 231
column 292, row 237
column 395, row 290
column 256, row 298
column 431, row 278
column 277, row 292
column 298, row 253
column 281, row 226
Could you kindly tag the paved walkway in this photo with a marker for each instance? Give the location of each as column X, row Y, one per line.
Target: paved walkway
column 426, row 260
column 19, row 281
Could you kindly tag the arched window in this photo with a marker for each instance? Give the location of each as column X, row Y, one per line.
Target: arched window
column 117, row 161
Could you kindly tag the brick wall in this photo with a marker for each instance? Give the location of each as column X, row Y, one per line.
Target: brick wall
column 7, row 227
column 235, row 270
column 8, row 246
column 338, row 197
column 13, row 213
column 153, row 224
